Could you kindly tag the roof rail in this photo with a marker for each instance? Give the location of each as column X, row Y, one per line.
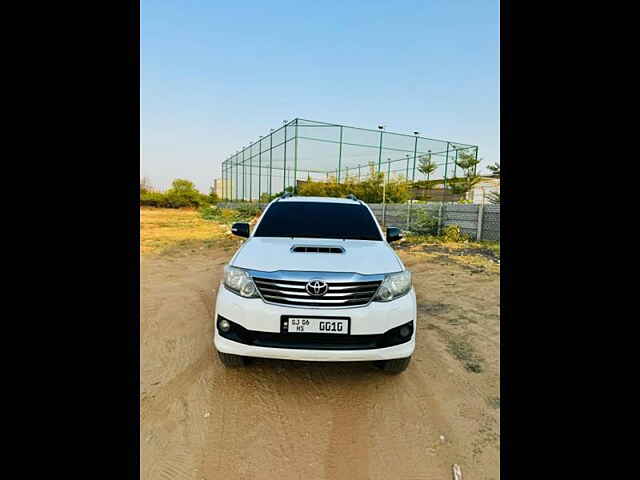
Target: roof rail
column 352, row 197
column 285, row 195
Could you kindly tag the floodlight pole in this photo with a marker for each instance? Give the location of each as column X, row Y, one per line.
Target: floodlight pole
column 380, row 151
column 284, row 172
column 415, row 152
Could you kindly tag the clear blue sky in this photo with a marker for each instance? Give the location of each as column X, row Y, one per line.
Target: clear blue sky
column 215, row 75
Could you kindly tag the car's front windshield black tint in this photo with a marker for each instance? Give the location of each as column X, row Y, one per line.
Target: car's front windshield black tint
column 318, row 220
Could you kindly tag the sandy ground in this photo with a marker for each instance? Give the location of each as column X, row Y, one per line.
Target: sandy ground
column 304, row 420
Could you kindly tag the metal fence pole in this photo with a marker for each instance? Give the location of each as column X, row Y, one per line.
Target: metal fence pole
column 476, row 165
column 251, row 172
column 295, row 160
column 384, row 210
column 388, row 170
column 408, row 213
column 415, row 151
column 385, row 182
column 270, row 160
column 480, row 214
column 407, row 174
column 455, row 162
column 260, row 169
column 340, row 154
column 380, row 152
column 284, row 172
column 243, row 174
column 444, row 187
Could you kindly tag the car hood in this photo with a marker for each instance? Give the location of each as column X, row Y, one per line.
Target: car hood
column 360, row 256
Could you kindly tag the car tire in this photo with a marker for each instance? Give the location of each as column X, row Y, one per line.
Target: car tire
column 397, row 365
column 229, row 360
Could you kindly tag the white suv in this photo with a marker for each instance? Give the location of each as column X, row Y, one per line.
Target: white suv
column 316, row 280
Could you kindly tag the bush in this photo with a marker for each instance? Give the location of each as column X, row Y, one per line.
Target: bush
column 249, row 210
column 152, row 199
column 228, row 216
column 182, row 194
column 453, row 233
column 424, row 223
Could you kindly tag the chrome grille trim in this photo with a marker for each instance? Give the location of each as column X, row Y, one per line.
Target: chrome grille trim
column 346, row 290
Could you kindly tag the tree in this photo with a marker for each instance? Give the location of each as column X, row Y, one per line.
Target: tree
column 180, row 185
column 495, row 169
column 426, row 165
column 183, row 193
column 467, row 162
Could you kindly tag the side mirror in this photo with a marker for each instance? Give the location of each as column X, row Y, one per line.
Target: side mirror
column 393, row 234
column 240, row 229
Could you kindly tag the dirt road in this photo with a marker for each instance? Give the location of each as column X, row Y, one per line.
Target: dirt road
column 305, row 420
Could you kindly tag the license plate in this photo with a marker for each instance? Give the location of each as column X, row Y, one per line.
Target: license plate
column 335, row 326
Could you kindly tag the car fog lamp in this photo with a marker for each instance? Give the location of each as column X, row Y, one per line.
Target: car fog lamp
column 224, row 325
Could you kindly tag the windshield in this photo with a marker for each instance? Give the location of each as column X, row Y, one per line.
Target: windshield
column 318, row 220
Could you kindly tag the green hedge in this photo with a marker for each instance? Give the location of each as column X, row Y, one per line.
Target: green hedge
column 173, row 200
column 182, row 194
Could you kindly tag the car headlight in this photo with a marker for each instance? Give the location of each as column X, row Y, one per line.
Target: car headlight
column 239, row 281
column 393, row 286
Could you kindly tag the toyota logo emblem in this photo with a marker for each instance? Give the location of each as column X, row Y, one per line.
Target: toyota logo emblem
column 317, row 288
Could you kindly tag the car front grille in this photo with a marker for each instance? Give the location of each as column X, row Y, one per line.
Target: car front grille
column 339, row 294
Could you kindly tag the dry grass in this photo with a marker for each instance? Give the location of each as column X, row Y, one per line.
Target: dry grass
column 162, row 229
column 467, row 255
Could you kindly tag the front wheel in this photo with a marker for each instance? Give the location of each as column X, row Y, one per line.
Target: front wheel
column 229, row 360
column 397, row 365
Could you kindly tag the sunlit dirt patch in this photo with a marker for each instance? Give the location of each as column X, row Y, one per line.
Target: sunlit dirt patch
column 164, row 229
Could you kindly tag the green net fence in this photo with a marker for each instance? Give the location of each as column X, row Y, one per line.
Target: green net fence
column 302, row 150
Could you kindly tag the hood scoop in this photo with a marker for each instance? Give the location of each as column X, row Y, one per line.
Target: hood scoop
column 316, row 249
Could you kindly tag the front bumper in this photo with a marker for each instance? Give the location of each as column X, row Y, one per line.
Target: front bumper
column 374, row 319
